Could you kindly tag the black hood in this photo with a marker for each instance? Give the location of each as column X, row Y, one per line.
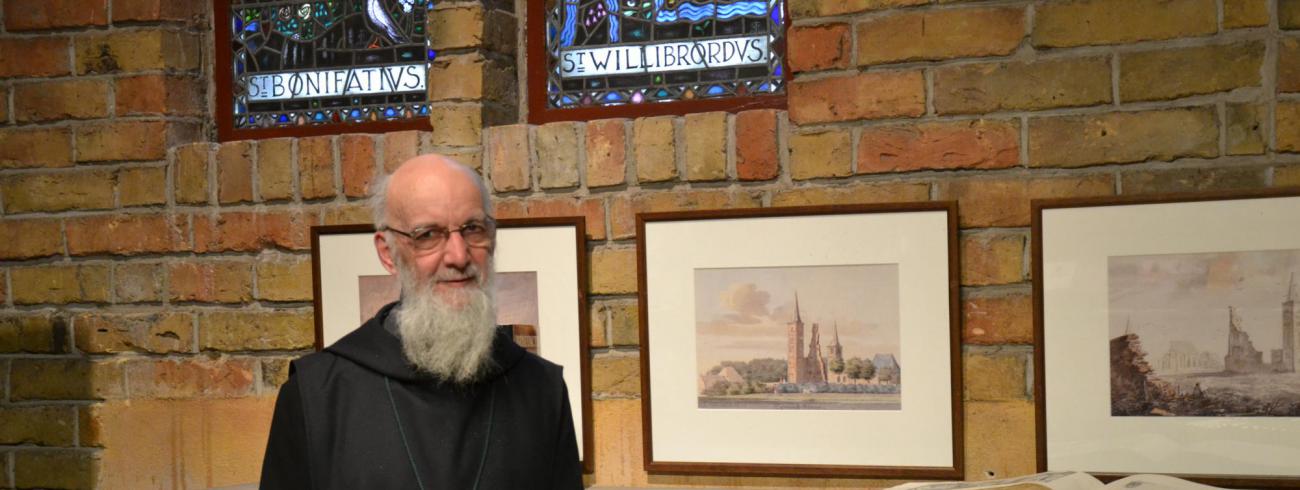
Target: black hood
column 375, row 348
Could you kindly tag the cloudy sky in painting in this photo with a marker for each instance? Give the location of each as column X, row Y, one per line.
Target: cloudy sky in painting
column 741, row 314
column 1186, row 297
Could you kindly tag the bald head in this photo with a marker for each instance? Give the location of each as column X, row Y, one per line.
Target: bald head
column 419, row 179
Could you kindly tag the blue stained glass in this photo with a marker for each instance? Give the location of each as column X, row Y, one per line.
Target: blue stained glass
column 673, row 41
column 288, row 39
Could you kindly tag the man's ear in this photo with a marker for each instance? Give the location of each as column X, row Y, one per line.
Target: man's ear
column 385, row 253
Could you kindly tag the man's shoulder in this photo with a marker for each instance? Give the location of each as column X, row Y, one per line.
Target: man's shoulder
column 535, row 365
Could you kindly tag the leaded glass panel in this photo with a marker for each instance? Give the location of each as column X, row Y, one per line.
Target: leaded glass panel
column 615, row 52
column 298, row 63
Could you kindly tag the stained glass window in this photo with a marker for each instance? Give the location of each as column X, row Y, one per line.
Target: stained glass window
column 626, row 52
column 295, row 63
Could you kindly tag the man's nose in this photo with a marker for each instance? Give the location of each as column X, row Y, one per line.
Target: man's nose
column 455, row 253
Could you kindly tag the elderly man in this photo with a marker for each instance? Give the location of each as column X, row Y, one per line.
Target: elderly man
column 429, row 393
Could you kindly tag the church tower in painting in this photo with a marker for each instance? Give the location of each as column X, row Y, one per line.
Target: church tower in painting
column 794, row 346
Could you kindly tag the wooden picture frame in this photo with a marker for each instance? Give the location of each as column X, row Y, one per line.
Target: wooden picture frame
column 884, row 278
column 553, row 250
column 1162, row 273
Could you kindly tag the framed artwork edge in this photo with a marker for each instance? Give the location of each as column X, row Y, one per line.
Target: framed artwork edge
column 956, row 471
column 587, row 426
column 1037, row 208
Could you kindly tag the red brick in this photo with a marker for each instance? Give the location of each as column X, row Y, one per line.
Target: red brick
column 191, row 377
column 316, row 167
column 508, row 152
column 210, row 282
column 141, row 186
column 992, row 258
column 62, row 191
column 756, row 148
column 159, row 94
column 1173, row 73
column 53, row 100
column 654, row 148
column 235, row 172
column 59, row 284
column 820, row 8
column 26, row 15
column 1039, row 84
column 357, row 162
column 154, row 10
column 1288, row 64
column 821, row 154
column 69, row 468
column 64, row 379
column 190, row 173
column 26, row 332
column 556, row 152
column 872, row 95
column 275, row 169
column 37, row 147
column 592, row 210
column 623, row 209
column 940, row 34
column 978, row 144
column 400, row 147
column 820, row 47
column 45, row 56
column 1174, row 180
column 1090, row 22
column 606, row 153
column 254, row 331
column 108, row 333
column 1005, row 202
column 706, row 146
column 855, row 194
column 30, row 238
column 130, row 140
column 126, row 234
column 128, row 51
column 243, row 231
column 1122, row 137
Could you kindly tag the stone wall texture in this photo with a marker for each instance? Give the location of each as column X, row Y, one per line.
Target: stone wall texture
column 154, row 285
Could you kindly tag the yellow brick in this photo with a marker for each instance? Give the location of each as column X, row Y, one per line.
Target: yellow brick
column 240, row 331
column 654, row 149
column 939, row 34
column 992, row 258
column 995, row 376
column 822, row 154
column 999, row 439
column 1173, row 73
column 706, row 146
column 142, row 186
column 1090, row 22
column 616, row 375
column 284, row 279
column 56, row 284
column 1121, row 137
column 613, row 271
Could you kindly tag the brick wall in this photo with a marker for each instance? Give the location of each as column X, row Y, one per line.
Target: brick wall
column 154, row 285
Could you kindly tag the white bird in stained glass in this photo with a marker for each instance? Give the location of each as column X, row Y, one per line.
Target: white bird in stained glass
column 379, row 17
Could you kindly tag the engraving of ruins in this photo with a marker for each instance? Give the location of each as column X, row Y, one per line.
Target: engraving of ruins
column 798, row 338
column 1208, row 334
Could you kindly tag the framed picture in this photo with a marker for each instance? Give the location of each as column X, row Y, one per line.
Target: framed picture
column 541, row 284
column 1165, row 336
column 817, row 341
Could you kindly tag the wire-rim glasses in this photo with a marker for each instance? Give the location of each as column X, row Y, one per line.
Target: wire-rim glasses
column 476, row 233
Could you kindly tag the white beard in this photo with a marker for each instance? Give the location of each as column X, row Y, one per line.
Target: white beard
column 447, row 336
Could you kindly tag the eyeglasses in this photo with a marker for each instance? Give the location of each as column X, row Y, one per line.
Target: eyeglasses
column 477, row 234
